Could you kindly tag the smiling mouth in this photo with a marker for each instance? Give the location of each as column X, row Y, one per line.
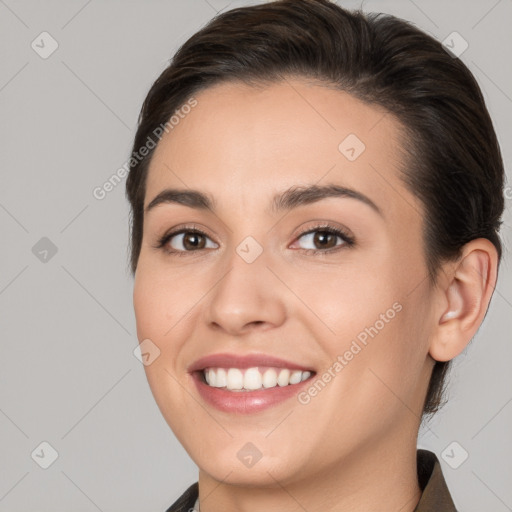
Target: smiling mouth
column 252, row 379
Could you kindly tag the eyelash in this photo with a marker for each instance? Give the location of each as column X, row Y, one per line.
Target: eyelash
column 324, row 228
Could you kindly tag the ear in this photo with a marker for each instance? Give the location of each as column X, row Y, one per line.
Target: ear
column 464, row 291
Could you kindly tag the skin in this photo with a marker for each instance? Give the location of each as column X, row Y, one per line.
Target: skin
column 353, row 446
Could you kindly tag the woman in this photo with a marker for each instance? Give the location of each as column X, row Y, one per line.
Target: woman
column 314, row 238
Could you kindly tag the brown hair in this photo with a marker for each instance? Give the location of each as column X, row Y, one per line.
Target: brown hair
column 452, row 160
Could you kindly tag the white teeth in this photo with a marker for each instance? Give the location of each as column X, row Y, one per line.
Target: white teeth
column 283, row 379
column 221, row 379
column 295, row 377
column 270, row 378
column 234, row 379
column 252, row 379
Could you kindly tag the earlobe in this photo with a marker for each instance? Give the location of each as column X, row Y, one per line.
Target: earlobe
column 466, row 293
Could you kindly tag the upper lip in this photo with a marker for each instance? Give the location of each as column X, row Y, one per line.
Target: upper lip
column 225, row 360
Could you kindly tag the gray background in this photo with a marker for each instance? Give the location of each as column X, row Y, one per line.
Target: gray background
column 68, row 375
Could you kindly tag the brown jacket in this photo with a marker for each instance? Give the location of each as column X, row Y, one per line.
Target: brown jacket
column 435, row 496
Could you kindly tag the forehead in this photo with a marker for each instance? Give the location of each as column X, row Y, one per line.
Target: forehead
column 258, row 141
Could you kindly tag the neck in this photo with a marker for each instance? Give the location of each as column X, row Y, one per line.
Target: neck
column 382, row 477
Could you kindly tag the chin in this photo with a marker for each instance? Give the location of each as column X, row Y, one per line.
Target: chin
column 262, row 474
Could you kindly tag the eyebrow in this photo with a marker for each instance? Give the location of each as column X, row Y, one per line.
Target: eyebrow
column 287, row 200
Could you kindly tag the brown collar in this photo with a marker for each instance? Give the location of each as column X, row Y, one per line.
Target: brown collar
column 435, row 496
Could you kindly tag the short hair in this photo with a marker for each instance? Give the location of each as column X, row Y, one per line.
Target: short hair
column 451, row 156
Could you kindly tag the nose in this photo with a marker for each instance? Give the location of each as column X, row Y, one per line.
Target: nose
column 247, row 297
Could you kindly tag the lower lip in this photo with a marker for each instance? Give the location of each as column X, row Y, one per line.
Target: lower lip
column 246, row 402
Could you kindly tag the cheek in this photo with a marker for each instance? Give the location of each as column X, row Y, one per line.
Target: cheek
column 159, row 306
column 159, row 301
column 390, row 367
column 165, row 304
column 149, row 303
column 378, row 326
column 347, row 300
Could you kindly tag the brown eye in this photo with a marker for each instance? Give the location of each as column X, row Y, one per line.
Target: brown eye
column 184, row 241
column 323, row 240
column 193, row 241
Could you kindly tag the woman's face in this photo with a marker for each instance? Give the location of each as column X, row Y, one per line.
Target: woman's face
column 252, row 294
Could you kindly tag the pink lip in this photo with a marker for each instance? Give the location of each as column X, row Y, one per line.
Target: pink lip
column 245, row 402
column 244, row 361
